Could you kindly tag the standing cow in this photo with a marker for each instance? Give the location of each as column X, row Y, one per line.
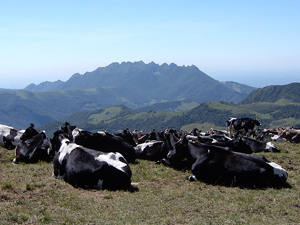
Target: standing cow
column 244, row 126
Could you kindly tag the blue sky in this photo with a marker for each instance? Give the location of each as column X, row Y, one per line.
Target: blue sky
column 251, row 42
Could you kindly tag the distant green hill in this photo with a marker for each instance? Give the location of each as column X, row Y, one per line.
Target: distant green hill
column 289, row 93
column 205, row 116
column 176, row 106
column 19, row 108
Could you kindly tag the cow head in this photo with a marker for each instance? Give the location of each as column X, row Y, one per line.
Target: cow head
column 180, row 152
column 29, row 133
column 67, row 128
column 58, row 136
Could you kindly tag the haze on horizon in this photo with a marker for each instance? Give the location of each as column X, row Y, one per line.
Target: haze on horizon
column 254, row 42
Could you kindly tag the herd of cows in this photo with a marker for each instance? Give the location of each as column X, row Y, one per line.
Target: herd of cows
column 102, row 160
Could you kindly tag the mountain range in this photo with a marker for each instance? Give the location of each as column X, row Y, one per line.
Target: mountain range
column 138, row 84
column 282, row 112
column 134, row 85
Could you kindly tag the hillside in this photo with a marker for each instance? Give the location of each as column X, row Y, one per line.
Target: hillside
column 241, row 88
column 20, row 108
column 205, row 116
column 275, row 93
column 176, row 106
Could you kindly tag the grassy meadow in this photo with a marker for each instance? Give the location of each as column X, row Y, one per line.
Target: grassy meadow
column 29, row 194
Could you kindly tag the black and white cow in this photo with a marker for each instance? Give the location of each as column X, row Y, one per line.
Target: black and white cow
column 128, row 136
column 260, row 146
column 162, row 136
column 150, row 150
column 88, row 168
column 34, row 149
column 29, row 132
column 220, row 165
column 242, row 126
column 104, row 142
column 236, row 144
column 68, row 129
column 9, row 136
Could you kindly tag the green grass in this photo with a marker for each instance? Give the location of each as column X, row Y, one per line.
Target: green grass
column 29, row 194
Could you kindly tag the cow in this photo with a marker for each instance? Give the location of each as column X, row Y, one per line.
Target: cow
column 105, row 142
column 9, row 136
column 29, row 132
column 68, row 129
column 161, row 136
column 260, row 146
column 128, row 136
column 220, row 165
column 88, row 168
column 34, row 149
column 290, row 134
column 237, row 144
column 139, row 136
column 244, row 126
column 150, row 150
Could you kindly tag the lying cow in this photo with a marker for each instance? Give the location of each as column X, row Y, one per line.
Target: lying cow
column 128, row 136
column 220, row 165
column 68, row 129
column 260, row 146
column 104, row 142
column 29, row 133
column 9, row 136
column 150, row 150
column 290, row 134
column 237, row 144
column 244, row 126
column 34, row 149
column 84, row 167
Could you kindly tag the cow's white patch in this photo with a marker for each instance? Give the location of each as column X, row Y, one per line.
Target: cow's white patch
column 193, row 178
column 4, row 131
column 275, row 137
column 278, row 170
column 192, row 137
column 231, row 119
column 145, row 145
column 76, row 132
column 48, row 151
column 66, row 148
column 214, row 141
column 103, row 133
column 113, row 159
column 270, row 146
